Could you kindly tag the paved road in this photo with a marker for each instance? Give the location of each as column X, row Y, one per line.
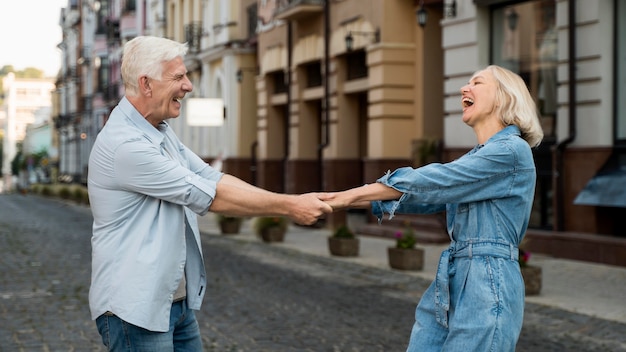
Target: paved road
column 260, row 297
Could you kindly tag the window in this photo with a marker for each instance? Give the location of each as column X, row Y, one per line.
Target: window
column 524, row 40
column 280, row 86
column 313, row 74
column 356, row 62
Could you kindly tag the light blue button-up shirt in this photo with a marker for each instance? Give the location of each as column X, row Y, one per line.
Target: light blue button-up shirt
column 145, row 189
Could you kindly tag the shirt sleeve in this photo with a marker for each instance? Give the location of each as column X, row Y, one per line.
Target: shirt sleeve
column 487, row 173
column 140, row 167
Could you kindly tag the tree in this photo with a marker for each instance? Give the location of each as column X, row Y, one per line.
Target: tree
column 30, row 72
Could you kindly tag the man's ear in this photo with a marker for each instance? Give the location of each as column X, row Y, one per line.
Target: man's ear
column 145, row 88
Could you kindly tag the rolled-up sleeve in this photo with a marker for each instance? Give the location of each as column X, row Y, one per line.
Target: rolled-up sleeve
column 481, row 174
column 140, row 167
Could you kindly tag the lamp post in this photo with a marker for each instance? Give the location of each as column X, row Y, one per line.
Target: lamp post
column 421, row 15
column 350, row 37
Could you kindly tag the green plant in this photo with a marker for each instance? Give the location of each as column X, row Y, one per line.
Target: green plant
column 524, row 257
column 343, row 232
column 406, row 239
column 65, row 192
column 264, row 222
column 226, row 218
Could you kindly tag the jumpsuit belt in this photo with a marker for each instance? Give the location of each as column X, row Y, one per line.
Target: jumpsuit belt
column 468, row 249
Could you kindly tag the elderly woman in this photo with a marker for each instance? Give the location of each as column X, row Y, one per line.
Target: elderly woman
column 476, row 302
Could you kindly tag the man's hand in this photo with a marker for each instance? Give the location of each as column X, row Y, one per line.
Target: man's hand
column 307, row 208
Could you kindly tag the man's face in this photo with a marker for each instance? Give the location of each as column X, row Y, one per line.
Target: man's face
column 168, row 92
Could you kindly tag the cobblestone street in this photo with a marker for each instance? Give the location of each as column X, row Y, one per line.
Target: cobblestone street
column 260, row 297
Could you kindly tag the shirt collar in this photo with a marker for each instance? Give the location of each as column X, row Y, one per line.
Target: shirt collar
column 505, row 132
column 156, row 136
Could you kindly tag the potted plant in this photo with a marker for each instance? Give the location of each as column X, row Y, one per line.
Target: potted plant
column 343, row 242
column 530, row 273
column 229, row 224
column 405, row 255
column 271, row 228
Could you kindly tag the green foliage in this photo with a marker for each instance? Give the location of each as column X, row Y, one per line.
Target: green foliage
column 65, row 192
column 225, row 218
column 343, row 232
column 80, row 195
column 18, row 163
column 406, row 239
column 265, row 222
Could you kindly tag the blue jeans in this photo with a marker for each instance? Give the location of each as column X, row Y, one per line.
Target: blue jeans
column 183, row 335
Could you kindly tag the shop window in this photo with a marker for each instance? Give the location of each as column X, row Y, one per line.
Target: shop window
column 524, row 40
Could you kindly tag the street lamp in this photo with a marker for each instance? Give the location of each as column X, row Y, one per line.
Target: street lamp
column 421, row 15
column 512, row 18
column 239, row 73
column 350, row 37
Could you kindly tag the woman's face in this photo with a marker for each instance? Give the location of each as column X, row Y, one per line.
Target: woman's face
column 479, row 98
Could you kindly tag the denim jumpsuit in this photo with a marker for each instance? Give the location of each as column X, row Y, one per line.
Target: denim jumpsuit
column 476, row 302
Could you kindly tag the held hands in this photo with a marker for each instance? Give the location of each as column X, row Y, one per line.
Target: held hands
column 308, row 208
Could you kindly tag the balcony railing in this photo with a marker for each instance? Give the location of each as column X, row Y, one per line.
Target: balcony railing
column 295, row 9
column 193, row 36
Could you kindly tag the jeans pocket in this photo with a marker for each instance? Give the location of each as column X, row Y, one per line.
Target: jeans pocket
column 102, row 323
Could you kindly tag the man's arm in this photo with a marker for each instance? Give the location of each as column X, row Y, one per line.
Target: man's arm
column 238, row 198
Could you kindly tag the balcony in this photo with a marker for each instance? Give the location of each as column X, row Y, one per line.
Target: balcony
column 297, row 9
column 193, row 36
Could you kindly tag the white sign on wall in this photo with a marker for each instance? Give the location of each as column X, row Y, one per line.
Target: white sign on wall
column 204, row 111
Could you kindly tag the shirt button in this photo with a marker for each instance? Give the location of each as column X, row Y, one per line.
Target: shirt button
column 188, row 178
column 182, row 266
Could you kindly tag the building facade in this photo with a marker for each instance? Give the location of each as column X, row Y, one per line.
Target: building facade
column 23, row 99
column 328, row 95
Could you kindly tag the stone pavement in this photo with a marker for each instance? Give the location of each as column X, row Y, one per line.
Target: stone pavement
column 591, row 289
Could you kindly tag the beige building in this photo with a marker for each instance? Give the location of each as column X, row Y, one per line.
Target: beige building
column 341, row 92
column 330, row 94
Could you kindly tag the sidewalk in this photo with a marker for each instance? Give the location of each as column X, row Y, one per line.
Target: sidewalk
column 580, row 287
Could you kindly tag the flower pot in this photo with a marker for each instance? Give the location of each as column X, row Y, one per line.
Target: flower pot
column 406, row 258
column 532, row 279
column 273, row 234
column 230, row 227
column 343, row 247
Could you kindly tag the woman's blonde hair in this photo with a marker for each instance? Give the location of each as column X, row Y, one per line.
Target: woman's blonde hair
column 144, row 56
column 515, row 105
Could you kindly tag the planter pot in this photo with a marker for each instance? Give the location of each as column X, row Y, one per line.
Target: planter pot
column 343, row 247
column 532, row 279
column 230, row 227
column 273, row 234
column 406, row 259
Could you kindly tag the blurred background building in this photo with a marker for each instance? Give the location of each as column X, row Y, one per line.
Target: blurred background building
column 330, row 94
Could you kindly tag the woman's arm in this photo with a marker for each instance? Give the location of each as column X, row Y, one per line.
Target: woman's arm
column 359, row 197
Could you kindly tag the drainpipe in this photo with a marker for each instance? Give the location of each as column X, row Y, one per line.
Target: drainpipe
column 560, row 147
column 288, row 109
column 326, row 102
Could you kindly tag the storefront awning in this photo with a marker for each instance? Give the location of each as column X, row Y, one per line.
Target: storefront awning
column 607, row 188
